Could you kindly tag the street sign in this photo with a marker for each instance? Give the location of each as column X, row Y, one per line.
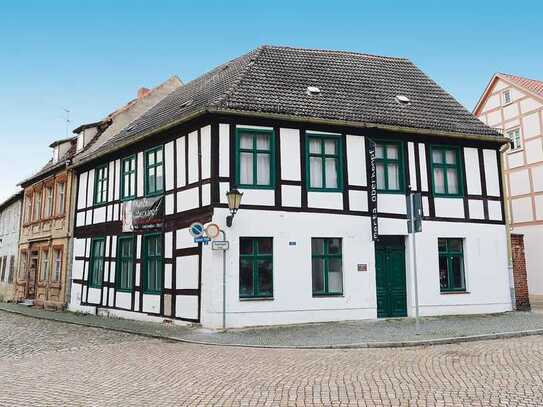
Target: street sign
column 202, row 239
column 212, row 230
column 220, row 245
column 415, row 214
column 196, row 229
column 372, row 191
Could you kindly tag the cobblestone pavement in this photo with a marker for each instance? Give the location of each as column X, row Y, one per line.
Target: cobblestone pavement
column 51, row 363
column 315, row 335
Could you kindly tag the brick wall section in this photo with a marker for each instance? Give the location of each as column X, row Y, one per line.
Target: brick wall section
column 519, row 272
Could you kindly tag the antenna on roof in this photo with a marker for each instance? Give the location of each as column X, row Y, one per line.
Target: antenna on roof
column 67, row 121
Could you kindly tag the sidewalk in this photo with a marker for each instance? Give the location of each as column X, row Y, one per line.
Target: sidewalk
column 350, row 334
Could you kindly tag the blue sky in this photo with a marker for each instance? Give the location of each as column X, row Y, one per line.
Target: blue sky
column 92, row 56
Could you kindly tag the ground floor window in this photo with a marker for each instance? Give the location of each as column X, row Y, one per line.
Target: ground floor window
column 255, row 267
column 125, row 263
column 98, row 247
column 153, row 263
column 327, row 272
column 11, row 269
column 57, row 265
column 44, row 265
column 451, row 265
column 3, row 262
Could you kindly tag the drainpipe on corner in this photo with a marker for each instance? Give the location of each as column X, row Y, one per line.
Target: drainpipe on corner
column 503, row 150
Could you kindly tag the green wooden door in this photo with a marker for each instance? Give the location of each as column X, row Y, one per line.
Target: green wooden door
column 390, row 278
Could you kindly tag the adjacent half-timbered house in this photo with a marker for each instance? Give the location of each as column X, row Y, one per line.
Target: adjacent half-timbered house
column 10, row 222
column 291, row 129
column 514, row 106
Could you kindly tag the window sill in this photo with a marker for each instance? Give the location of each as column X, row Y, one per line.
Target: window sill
column 268, row 187
column 515, row 150
column 154, row 194
column 448, row 196
column 152, row 292
column 327, row 295
column 123, row 290
column 324, row 190
column 256, row 299
column 455, row 292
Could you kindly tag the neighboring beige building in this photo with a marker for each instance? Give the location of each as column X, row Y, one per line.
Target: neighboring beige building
column 45, row 243
column 515, row 106
column 10, row 222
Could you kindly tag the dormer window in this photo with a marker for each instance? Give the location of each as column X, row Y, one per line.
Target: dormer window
column 506, row 97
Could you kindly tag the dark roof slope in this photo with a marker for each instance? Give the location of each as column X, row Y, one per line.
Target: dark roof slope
column 51, row 165
column 354, row 87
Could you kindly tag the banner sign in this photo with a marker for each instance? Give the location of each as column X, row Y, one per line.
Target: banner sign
column 142, row 214
column 373, row 192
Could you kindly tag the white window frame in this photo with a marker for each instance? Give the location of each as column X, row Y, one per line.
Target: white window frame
column 504, row 100
column 511, row 130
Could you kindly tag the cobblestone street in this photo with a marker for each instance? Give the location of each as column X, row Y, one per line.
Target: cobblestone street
column 51, row 363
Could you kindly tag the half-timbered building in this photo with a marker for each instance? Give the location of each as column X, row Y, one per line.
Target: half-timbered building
column 291, row 129
column 514, row 106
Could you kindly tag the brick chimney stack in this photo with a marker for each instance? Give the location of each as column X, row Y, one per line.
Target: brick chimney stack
column 142, row 92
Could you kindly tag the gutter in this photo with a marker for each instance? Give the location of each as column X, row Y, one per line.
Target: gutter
column 292, row 118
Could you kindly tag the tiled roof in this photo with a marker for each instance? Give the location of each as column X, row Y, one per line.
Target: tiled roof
column 354, row 87
column 531, row 85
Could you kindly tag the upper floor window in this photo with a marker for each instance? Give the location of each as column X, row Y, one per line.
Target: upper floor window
column 61, row 198
column 128, row 177
column 323, row 162
column 327, row 274
column 506, row 97
column 446, row 171
column 514, row 136
column 153, row 263
column 451, row 265
column 36, row 212
column 100, row 185
column 154, row 171
column 255, row 267
column 28, row 208
column 49, row 201
column 97, row 262
column 255, row 158
column 389, row 167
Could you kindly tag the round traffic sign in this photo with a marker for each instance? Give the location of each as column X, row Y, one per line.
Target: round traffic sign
column 212, row 230
column 196, row 229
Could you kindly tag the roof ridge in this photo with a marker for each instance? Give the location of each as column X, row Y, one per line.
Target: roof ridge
column 257, row 51
column 520, row 77
column 332, row 51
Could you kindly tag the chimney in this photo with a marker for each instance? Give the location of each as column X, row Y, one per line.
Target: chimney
column 142, row 92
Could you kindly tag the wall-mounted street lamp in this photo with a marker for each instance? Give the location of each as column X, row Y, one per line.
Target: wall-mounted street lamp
column 234, row 199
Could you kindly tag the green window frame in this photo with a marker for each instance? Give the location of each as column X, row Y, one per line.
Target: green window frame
column 101, row 184
column 446, row 166
column 326, row 266
column 153, row 263
column 321, row 150
column 97, row 261
column 388, row 166
column 154, row 171
column 125, row 263
column 255, row 147
column 128, row 177
column 255, row 267
column 451, row 265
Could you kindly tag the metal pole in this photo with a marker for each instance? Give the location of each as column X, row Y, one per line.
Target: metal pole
column 223, row 283
column 414, row 254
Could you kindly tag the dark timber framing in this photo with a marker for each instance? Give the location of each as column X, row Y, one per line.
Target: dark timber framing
column 182, row 219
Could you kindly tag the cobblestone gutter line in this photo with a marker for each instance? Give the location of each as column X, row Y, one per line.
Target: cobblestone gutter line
column 372, row 344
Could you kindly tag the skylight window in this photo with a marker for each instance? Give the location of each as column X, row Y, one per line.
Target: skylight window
column 313, row 90
column 403, row 100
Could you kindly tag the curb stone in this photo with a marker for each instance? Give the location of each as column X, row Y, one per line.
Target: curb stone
column 362, row 345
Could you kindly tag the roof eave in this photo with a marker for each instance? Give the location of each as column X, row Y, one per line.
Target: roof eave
column 348, row 123
column 293, row 118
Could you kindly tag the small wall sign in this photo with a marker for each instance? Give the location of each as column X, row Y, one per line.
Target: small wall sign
column 362, row 267
column 292, row 243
